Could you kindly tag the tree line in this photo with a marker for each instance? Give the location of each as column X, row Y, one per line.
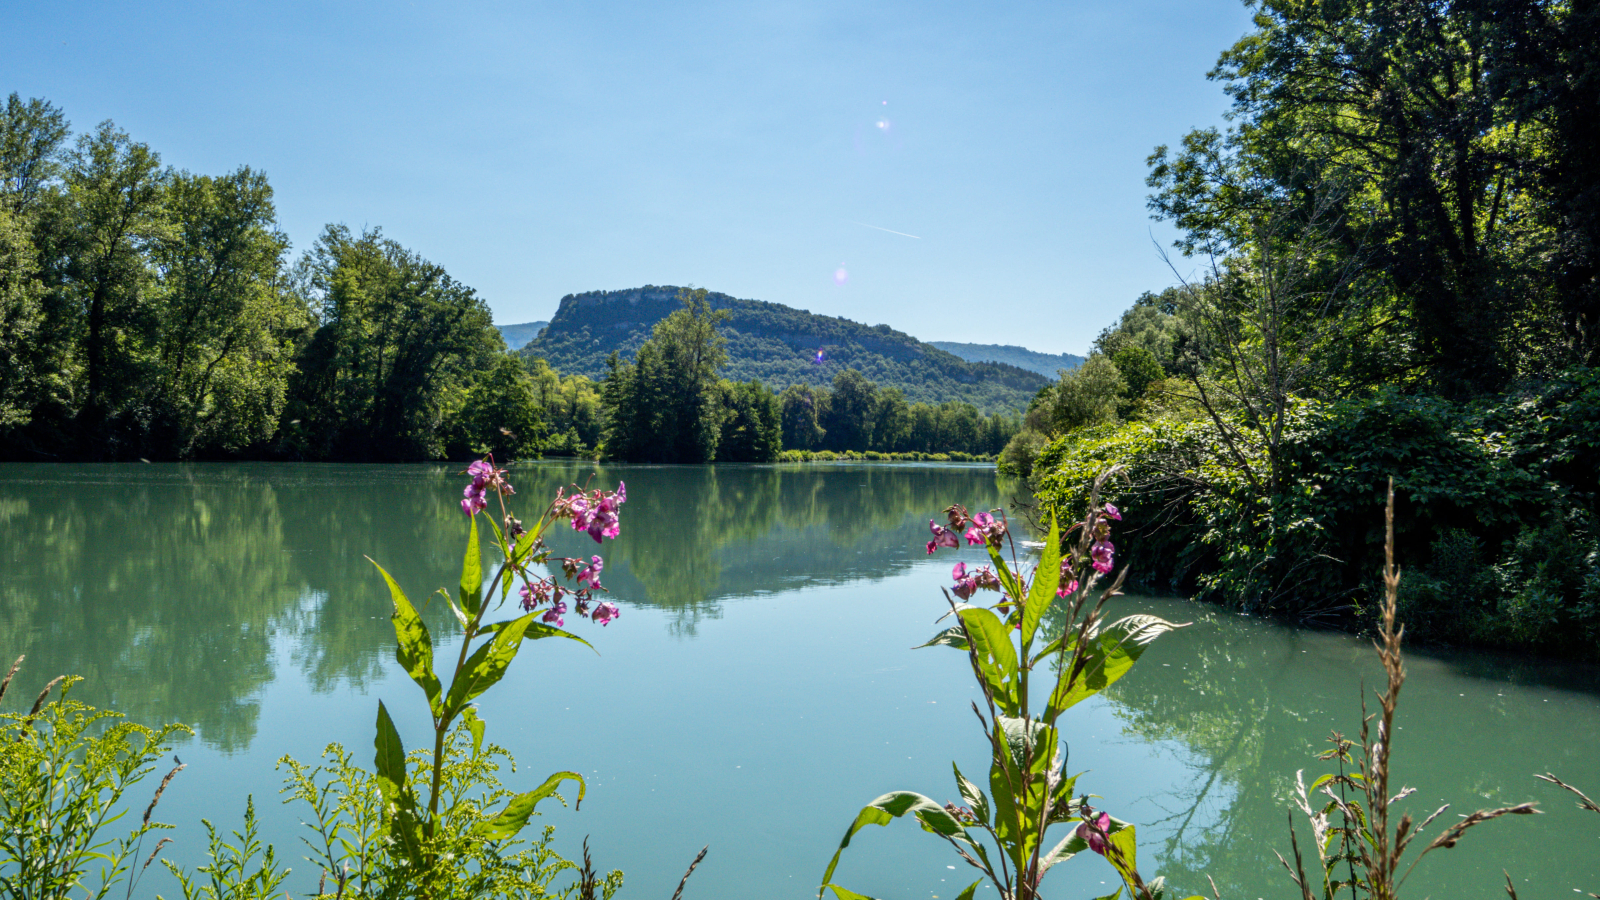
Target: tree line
column 148, row 312
column 668, row 404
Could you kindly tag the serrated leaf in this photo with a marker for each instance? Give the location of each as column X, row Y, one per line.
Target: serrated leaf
column 843, row 893
column 515, row 816
column 1123, row 853
column 399, row 806
column 975, row 800
column 486, row 666
column 1108, row 655
column 950, row 637
column 472, row 573
column 887, row 808
column 413, row 645
column 971, row 889
column 1045, row 580
column 995, row 657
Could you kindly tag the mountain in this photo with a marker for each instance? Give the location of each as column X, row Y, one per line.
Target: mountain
column 1046, row 364
column 518, row 336
column 779, row 345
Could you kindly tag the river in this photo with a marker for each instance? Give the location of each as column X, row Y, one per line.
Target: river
column 757, row 690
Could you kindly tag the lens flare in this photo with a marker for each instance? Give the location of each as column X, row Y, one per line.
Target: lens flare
column 840, row 276
column 819, row 358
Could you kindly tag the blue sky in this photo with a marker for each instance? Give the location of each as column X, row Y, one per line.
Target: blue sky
column 540, row 149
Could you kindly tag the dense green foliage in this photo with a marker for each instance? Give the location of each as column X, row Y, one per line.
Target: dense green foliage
column 667, row 404
column 856, row 415
column 778, row 346
column 1401, row 272
column 1047, row 364
column 148, row 312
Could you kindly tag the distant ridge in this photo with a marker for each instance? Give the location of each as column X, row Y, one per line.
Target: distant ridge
column 778, row 344
column 1046, row 364
column 518, row 336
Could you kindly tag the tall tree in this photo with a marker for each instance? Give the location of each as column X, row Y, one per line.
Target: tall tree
column 396, row 334
column 225, row 322
column 850, row 411
column 665, row 405
column 111, row 219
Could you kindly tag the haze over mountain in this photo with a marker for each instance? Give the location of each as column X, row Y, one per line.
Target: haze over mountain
column 1046, row 364
column 780, row 345
column 518, row 336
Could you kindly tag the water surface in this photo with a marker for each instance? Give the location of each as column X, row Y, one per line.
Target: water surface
column 758, row 688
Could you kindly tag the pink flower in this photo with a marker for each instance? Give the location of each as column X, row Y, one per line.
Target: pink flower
column 480, row 470
column 959, row 572
column 1096, row 837
column 1113, row 513
column 975, row 537
column 983, row 520
column 553, row 615
column 605, row 612
column 942, row 537
column 1067, row 587
column 1101, row 554
column 591, row 575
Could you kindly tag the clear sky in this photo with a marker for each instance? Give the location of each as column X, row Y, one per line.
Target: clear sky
column 768, row 150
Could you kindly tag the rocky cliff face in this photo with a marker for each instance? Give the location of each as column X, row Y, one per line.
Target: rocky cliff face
column 779, row 344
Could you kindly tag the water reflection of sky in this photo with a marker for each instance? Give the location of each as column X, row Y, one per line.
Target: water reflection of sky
column 758, row 688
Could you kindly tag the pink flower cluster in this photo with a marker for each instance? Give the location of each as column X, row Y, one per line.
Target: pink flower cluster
column 538, row 592
column 983, row 528
column 594, row 511
column 1100, row 553
column 485, row 478
column 968, row 582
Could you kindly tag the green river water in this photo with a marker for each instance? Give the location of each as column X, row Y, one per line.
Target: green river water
column 758, row 688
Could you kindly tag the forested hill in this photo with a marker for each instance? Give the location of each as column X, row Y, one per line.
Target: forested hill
column 779, row 345
column 1046, row 364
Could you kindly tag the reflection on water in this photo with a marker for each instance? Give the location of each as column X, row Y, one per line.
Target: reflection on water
column 1252, row 702
column 759, row 687
column 165, row 586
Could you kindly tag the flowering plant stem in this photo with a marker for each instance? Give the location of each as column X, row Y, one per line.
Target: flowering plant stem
column 485, row 654
column 1002, row 833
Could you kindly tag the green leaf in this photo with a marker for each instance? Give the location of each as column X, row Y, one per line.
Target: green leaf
column 399, row 806
column 1111, row 896
column 515, row 816
column 1108, row 655
column 469, row 715
column 486, row 666
column 538, row 630
column 995, row 657
column 975, row 800
column 1123, row 854
column 390, row 761
column 1045, row 580
column 1008, row 579
column 843, row 893
column 889, row 807
column 971, row 889
column 950, row 637
column 413, row 645
column 472, row 573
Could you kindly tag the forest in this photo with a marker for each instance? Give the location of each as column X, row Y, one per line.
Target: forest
column 1388, row 264
column 150, row 313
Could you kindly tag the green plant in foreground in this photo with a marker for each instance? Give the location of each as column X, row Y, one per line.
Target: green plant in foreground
column 1356, row 847
column 1029, row 788
column 64, row 770
column 437, row 823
